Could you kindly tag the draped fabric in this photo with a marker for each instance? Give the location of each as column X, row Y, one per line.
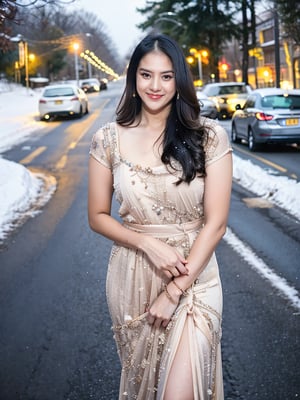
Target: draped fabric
column 150, row 203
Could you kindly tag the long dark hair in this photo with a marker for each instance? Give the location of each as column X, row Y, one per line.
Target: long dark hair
column 184, row 136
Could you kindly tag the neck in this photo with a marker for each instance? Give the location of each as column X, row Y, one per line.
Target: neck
column 155, row 122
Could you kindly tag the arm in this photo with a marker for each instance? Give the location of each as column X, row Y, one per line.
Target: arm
column 216, row 208
column 100, row 192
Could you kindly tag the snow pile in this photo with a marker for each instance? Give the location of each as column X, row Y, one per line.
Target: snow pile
column 18, row 189
column 18, row 114
column 279, row 190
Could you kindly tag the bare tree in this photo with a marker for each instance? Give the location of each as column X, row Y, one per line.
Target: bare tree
column 9, row 12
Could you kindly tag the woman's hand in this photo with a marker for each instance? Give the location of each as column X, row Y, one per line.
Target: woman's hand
column 162, row 309
column 165, row 257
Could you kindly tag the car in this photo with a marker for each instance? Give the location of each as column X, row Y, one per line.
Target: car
column 91, row 85
column 62, row 100
column 207, row 107
column 270, row 115
column 226, row 95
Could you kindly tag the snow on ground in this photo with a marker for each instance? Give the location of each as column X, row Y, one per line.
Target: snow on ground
column 20, row 188
column 18, row 114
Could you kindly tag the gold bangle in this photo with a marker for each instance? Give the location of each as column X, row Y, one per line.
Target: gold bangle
column 183, row 292
column 169, row 296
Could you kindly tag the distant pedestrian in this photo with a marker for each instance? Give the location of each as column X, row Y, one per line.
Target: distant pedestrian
column 171, row 172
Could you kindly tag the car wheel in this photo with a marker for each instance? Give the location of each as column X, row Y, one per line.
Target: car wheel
column 252, row 144
column 234, row 136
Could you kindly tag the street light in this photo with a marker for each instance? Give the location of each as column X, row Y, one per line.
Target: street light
column 23, row 55
column 76, row 47
column 199, row 54
column 89, row 64
column 169, row 17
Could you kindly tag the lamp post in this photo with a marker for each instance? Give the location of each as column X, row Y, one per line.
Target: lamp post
column 23, row 56
column 199, row 54
column 76, row 47
column 89, row 64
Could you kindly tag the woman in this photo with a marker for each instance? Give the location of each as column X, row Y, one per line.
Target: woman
column 171, row 172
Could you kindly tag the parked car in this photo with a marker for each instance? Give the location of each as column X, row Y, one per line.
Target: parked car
column 226, row 96
column 208, row 107
column 269, row 115
column 62, row 100
column 90, row 85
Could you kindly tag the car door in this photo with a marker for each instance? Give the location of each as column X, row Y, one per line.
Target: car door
column 243, row 117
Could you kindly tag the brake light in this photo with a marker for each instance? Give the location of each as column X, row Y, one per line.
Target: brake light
column 42, row 101
column 263, row 117
column 74, row 98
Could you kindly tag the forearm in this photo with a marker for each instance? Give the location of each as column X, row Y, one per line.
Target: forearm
column 199, row 256
column 106, row 225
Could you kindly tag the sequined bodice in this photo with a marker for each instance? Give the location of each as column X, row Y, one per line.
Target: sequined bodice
column 148, row 195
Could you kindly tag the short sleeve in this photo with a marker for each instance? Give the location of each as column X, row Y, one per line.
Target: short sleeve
column 100, row 147
column 218, row 144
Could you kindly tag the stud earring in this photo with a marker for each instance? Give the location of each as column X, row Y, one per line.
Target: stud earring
column 133, row 95
column 177, row 96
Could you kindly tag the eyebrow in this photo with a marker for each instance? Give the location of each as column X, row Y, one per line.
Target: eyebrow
column 163, row 72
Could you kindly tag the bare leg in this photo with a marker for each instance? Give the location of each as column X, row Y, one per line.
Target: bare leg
column 180, row 383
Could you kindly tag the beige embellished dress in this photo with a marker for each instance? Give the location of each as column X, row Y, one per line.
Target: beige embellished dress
column 152, row 204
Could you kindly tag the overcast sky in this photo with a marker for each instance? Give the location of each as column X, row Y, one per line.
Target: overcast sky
column 120, row 18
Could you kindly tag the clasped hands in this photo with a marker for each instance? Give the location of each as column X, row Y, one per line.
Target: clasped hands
column 172, row 264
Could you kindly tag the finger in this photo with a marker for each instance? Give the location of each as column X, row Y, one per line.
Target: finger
column 165, row 323
column 182, row 269
column 157, row 323
column 168, row 274
column 150, row 319
column 175, row 272
column 181, row 258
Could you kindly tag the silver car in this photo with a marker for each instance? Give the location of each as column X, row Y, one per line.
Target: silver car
column 207, row 107
column 269, row 115
column 62, row 100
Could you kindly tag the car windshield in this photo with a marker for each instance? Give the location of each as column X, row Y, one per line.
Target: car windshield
column 56, row 92
column 224, row 90
column 234, row 89
column 291, row 102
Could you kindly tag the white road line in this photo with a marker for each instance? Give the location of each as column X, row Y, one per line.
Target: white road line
column 284, row 288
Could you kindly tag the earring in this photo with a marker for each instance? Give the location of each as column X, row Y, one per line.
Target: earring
column 177, row 96
column 133, row 95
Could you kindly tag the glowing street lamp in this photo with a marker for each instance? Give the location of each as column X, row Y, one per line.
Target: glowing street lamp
column 88, row 35
column 23, row 55
column 199, row 54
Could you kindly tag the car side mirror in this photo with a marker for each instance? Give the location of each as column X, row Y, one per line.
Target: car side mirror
column 238, row 107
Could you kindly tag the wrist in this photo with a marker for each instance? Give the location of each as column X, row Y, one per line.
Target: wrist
column 179, row 288
column 172, row 297
column 174, row 291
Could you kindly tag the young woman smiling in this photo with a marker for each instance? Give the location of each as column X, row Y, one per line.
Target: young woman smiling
column 171, row 172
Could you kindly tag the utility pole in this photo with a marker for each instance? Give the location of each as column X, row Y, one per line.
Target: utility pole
column 277, row 48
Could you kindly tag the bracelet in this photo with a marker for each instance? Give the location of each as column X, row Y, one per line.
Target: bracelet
column 169, row 296
column 183, row 292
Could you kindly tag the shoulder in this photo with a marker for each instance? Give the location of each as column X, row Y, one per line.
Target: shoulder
column 104, row 143
column 104, row 134
column 217, row 143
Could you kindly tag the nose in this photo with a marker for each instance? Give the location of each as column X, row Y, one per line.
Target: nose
column 155, row 84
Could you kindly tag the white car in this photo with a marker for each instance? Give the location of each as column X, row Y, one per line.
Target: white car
column 62, row 100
